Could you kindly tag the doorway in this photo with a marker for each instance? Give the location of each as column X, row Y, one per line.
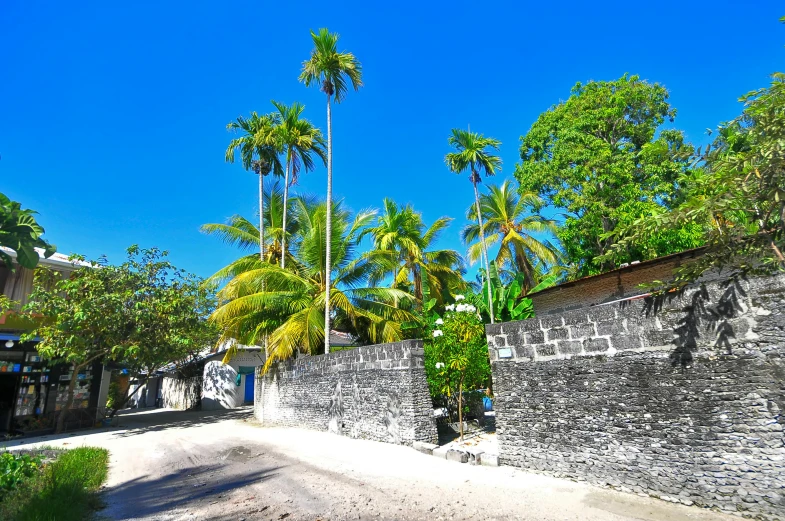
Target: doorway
column 8, row 384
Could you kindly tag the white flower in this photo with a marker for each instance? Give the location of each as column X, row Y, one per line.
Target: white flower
column 460, row 307
column 439, row 321
column 437, row 333
column 439, row 365
column 450, row 307
column 471, row 308
column 459, row 297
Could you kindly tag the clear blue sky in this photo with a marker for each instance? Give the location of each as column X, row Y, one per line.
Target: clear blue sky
column 113, row 114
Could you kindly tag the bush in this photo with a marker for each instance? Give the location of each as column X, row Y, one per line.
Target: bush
column 15, row 468
column 65, row 490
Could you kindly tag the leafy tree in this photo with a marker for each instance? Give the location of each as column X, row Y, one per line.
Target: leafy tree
column 288, row 304
column 400, row 232
column 473, row 154
column 736, row 199
column 509, row 225
column 598, row 157
column 332, row 71
column 143, row 314
column 299, row 140
column 20, row 232
column 258, row 152
column 456, row 354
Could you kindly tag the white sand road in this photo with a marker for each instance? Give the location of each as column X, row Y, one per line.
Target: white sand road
column 172, row 465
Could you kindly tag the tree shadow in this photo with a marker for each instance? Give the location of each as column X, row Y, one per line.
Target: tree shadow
column 702, row 318
column 139, row 498
column 159, row 421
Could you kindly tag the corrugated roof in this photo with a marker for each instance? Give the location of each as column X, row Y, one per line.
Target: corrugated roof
column 56, row 260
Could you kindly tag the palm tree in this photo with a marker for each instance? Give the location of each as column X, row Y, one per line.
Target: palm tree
column 471, row 154
column 508, row 223
column 258, row 152
column 288, row 304
column 299, row 140
column 331, row 70
column 401, row 232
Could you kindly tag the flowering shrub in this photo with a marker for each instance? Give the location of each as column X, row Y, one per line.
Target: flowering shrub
column 456, row 353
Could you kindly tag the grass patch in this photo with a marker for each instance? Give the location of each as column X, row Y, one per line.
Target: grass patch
column 64, row 490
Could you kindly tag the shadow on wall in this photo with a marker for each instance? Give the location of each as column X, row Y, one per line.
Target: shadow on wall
column 219, row 390
column 698, row 318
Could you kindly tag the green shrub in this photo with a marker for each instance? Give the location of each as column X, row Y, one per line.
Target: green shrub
column 15, row 468
column 65, row 490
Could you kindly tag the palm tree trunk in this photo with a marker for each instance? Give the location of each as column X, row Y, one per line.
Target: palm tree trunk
column 328, row 229
column 482, row 242
column 261, row 217
column 285, row 199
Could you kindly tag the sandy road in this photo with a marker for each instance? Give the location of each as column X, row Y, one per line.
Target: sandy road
column 173, row 466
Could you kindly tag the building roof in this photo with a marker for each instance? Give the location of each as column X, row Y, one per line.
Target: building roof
column 341, row 339
column 56, row 260
column 624, row 268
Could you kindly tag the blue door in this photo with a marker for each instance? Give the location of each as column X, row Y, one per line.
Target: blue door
column 249, row 378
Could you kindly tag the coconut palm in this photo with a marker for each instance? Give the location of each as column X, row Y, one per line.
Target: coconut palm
column 472, row 154
column 299, row 140
column 332, row 71
column 509, row 224
column 242, row 233
column 401, row 232
column 288, row 304
column 258, row 153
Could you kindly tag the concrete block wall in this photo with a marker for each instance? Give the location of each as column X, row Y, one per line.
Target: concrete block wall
column 680, row 397
column 374, row 392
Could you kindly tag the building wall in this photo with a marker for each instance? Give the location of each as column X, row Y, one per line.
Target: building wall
column 374, row 392
column 181, row 393
column 219, row 388
column 680, row 397
column 618, row 284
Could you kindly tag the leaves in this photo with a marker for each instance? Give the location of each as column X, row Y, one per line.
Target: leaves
column 20, row 232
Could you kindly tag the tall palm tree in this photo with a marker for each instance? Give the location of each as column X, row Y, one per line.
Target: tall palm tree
column 401, row 233
column 509, row 224
column 472, row 154
column 258, row 152
column 332, row 71
column 288, row 304
column 299, row 140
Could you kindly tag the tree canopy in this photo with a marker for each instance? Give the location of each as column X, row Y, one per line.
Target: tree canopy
column 602, row 160
column 20, row 232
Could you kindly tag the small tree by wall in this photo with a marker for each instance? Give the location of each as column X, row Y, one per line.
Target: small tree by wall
column 456, row 353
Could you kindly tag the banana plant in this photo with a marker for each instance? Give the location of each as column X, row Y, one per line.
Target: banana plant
column 509, row 301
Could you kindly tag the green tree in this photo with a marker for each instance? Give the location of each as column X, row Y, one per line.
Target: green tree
column 20, row 232
column 736, row 199
column 288, row 304
column 456, row 354
column 143, row 314
column 510, row 226
column 258, row 152
column 299, row 140
column 599, row 159
column 401, row 232
column 473, row 153
column 332, row 71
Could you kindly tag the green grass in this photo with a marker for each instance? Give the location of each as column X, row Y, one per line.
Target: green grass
column 64, row 490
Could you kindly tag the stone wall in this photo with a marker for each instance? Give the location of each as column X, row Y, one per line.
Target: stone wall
column 680, row 397
column 181, row 393
column 374, row 392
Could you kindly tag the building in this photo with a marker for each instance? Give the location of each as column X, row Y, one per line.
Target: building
column 32, row 390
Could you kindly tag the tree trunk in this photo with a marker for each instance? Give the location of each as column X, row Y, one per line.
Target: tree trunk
column 285, row 199
column 70, row 401
column 261, row 216
column 460, row 407
column 482, row 243
column 328, row 229
column 127, row 398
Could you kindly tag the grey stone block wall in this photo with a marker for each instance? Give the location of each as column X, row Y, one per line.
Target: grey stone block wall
column 374, row 392
column 680, row 397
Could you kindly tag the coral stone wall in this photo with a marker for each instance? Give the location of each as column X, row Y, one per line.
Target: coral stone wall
column 374, row 392
column 680, row 397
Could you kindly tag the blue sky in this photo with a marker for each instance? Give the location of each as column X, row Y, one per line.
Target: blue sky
column 113, row 114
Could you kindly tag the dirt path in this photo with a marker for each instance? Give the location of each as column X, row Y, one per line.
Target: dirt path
column 173, row 466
